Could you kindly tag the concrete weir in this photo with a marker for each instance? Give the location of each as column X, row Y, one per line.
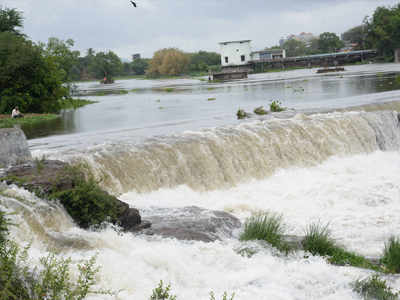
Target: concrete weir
column 13, row 147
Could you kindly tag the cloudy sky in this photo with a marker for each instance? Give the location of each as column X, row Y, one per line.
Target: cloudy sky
column 190, row 25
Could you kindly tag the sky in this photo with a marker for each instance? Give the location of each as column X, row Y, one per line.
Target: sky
column 185, row 24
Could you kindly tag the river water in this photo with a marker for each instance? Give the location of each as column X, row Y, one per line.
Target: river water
column 332, row 157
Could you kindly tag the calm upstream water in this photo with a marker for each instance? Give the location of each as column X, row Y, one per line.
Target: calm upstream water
column 333, row 157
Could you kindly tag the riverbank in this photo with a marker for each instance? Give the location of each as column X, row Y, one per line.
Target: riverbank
column 29, row 119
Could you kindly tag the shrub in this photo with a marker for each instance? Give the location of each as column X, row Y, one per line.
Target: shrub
column 374, row 288
column 265, row 227
column 241, row 114
column 4, row 222
column 318, row 240
column 224, row 296
column 276, row 106
column 391, row 255
column 162, row 293
column 260, row 111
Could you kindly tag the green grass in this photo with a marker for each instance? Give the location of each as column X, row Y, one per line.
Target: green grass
column 75, row 103
column 276, row 106
column 391, row 255
column 169, row 90
column 110, row 92
column 266, row 227
column 374, row 288
column 162, row 293
column 211, row 99
column 318, row 241
column 241, row 114
column 260, row 111
column 27, row 120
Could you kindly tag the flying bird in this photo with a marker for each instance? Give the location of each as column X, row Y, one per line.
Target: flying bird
column 133, row 3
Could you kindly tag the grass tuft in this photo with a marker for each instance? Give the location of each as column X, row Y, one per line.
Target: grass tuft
column 265, row 227
column 162, row 293
column 391, row 255
column 374, row 288
column 276, row 106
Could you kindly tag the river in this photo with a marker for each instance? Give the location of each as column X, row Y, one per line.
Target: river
column 332, row 157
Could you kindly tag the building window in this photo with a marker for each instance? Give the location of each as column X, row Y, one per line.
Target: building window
column 226, row 59
column 243, row 57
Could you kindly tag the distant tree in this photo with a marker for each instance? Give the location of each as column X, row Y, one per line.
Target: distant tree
column 105, row 65
column 383, row 30
column 203, row 60
column 313, row 47
column 66, row 59
column 28, row 78
column 139, row 66
column 329, row 42
column 356, row 35
column 169, row 61
column 294, row 48
column 10, row 20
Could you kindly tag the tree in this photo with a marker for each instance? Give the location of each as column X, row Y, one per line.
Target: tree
column 203, row 60
column 329, row 42
column 383, row 30
column 294, row 48
column 10, row 19
column 105, row 65
column 66, row 59
column 356, row 35
column 139, row 66
column 28, row 78
column 169, row 61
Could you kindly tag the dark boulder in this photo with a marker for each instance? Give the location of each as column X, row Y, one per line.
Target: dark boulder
column 191, row 223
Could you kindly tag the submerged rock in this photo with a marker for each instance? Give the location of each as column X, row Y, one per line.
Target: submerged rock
column 13, row 147
column 47, row 178
column 191, row 223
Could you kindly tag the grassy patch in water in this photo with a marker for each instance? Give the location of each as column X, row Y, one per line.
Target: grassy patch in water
column 276, row 106
column 318, row 241
column 28, row 119
column 266, row 227
column 75, row 103
column 212, row 99
column 169, row 90
column 391, row 255
column 374, row 288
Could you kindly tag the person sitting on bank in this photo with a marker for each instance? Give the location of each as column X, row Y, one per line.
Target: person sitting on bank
column 16, row 113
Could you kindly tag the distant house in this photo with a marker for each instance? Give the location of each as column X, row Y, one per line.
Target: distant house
column 235, row 53
column 268, row 54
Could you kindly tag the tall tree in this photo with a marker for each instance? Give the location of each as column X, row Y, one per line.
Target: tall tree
column 383, row 30
column 356, row 35
column 329, row 42
column 106, row 64
column 169, row 61
column 294, row 48
column 10, row 20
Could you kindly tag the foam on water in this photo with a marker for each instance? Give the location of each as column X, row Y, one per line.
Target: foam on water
column 358, row 195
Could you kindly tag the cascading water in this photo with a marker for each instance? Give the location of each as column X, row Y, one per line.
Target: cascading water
column 340, row 168
column 223, row 157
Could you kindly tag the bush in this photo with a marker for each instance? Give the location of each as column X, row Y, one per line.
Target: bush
column 391, row 255
column 276, row 106
column 241, row 114
column 162, row 293
column 318, row 241
column 265, row 227
column 374, row 288
column 88, row 204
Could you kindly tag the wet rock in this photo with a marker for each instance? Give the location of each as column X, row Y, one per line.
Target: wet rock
column 191, row 223
column 13, row 147
column 44, row 177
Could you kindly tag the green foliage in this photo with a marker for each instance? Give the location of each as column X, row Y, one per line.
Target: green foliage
column 276, row 106
column 384, row 30
column 241, row 114
column 391, row 255
column 105, row 64
column 260, row 111
column 162, row 293
column 87, row 203
column 71, row 103
column 318, row 241
column 224, row 296
column 169, row 62
column 265, row 227
column 27, row 120
column 10, row 19
column 139, row 66
column 374, row 288
column 329, row 42
column 27, row 78
column 203, row 60
column 4, row 223
column 356, row 35
column 294, row 48
column 212, row 99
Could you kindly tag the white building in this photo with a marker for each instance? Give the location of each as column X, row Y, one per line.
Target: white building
column 235, row 53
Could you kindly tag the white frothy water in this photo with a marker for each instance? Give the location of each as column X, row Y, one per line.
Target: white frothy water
column 358, row 195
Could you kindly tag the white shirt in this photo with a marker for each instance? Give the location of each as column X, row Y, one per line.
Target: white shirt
column 15, row 113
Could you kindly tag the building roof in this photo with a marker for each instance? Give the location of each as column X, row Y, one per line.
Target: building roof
column 231, row 42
